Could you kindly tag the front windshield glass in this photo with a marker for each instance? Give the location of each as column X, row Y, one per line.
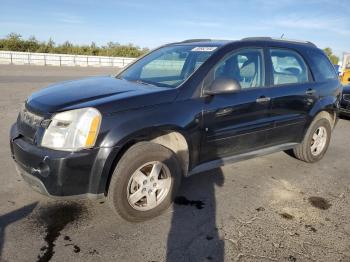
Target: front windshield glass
column 169, row 66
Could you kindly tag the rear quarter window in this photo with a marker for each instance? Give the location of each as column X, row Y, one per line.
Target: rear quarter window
column 321, row 67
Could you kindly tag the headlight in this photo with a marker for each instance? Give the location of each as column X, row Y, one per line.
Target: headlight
column 73, row 130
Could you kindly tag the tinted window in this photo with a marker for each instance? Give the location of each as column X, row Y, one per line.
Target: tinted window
column 288, row 67
column 172, row 64
column 169, row 66
column 244, row 66
column 323, row 69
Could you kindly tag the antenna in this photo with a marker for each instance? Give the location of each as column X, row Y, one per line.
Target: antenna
column 282, row 35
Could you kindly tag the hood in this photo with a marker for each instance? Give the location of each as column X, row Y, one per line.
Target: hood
column 106, row 93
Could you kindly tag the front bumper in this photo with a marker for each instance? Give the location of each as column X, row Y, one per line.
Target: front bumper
column 61, row 174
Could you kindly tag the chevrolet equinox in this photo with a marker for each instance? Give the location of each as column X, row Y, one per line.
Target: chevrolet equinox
column 183, row 108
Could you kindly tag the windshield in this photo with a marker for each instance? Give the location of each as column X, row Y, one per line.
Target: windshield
column 169, row 66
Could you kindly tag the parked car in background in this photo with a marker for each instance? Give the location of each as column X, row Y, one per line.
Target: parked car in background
column 182, row 109
column 345, row 102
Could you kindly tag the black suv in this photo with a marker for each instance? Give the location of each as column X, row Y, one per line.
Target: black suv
column 182, row 109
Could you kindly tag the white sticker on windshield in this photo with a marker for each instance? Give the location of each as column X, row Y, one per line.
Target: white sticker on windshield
column 204, row 48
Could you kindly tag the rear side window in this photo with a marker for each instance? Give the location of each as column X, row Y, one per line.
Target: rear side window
column 322, row 68
column 288, row 67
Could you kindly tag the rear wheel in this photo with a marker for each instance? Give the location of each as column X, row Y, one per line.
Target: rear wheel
column 315, row 143
column 144, row 182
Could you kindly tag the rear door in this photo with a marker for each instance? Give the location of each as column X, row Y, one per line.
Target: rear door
column 235, row 123
column 293, row 94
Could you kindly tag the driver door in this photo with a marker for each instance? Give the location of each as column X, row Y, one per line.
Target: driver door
column 236, row 123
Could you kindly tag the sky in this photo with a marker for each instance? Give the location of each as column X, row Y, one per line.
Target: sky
column 153, row 23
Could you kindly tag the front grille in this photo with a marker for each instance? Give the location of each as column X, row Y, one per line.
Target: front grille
column 346, row 97
column 29, row 118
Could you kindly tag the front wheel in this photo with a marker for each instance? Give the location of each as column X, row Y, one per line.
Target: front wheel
column 315, row 143
column 144, row 182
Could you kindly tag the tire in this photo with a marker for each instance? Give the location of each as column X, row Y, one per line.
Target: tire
column 305, row 151
column 127, row 184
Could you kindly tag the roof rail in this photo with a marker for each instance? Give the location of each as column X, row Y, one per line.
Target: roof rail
column 278, row 39
column 195, row 40
column 257, row 38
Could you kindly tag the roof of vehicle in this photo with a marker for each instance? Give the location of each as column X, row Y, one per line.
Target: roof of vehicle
column 204, row 42
column 213, row 42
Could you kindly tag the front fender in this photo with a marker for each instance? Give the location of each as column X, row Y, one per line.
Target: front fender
column 146, row 122
column 126, row 128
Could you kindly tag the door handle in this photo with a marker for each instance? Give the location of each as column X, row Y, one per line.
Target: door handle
column 224, row 111
column 310, row 91
column 263, row 99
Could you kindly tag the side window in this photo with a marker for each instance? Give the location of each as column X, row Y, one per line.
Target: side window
column 288, row 67
column 322, row 67
column 244, row 66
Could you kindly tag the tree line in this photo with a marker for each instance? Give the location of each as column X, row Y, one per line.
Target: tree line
column 15, row 42
column 334, row 59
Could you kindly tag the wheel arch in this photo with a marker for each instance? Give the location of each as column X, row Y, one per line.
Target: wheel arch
column 325, row 108
column 326, row 114
column 173, row 138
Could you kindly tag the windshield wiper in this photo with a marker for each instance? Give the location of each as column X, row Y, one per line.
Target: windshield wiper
column 139, row 81
column 143, row 82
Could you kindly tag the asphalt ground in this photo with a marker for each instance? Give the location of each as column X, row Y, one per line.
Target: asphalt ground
column 271, row 208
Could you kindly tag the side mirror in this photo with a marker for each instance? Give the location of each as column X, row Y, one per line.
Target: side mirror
column 223, row 85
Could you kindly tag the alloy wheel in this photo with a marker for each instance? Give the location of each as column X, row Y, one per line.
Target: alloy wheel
column 148, row 186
